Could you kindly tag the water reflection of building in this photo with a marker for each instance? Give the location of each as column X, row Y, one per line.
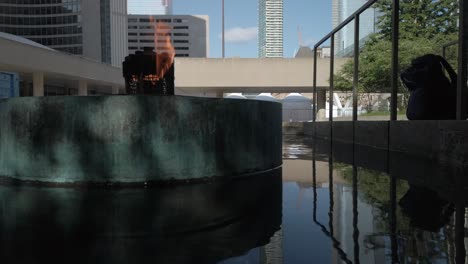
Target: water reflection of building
column 367, row 226
column 274, row 249
column 271, row 253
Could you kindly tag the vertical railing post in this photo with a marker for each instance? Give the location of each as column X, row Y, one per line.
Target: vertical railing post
column 330, row 187
column 314, row 183
column 355, row 213
column 395, row 37
column 393, row 217
column 315, row 86
column 462, row 60
column 332, row 67
column 356, row 66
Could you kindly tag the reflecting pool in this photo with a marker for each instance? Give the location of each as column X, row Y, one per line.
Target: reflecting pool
column 320, row 207
column 337, row 212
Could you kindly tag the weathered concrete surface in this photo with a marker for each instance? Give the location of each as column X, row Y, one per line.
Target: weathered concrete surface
column 293, row 128
column 443, row 141
column 323, row 130
column 193, row 223
column 342, row 132
column 132, row 139
column 253, row 75
column 372, row 134
column 417, row 137
column 445, row 179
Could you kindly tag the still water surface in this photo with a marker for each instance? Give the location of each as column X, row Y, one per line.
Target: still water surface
column 358, row 215
column 314, row 209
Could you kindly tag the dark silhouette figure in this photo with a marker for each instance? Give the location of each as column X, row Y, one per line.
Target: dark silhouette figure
column 426, row 209
column 432, row 94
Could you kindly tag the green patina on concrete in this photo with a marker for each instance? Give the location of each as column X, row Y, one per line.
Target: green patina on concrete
column 136, row 138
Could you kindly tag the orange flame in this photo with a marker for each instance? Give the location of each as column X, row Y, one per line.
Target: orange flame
column 165, row 52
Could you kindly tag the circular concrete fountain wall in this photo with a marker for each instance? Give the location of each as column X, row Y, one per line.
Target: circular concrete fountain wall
column 135, row 139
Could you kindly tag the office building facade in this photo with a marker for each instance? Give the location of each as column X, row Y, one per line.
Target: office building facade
column 189, row 34
column 344, row 39
column 270, row 28
column 150, row 7
column 96, row 29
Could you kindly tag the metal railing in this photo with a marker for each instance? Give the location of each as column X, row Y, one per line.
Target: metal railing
column 462, row 60
column 446, row 46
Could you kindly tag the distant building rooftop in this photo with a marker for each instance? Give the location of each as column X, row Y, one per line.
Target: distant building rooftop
column 22, row 40
column 304, row 52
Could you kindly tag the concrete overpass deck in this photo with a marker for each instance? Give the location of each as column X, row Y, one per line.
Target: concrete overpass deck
column 193, row 76
column 251, row 75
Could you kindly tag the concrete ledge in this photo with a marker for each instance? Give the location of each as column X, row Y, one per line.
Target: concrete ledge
column 293, row 128
column 416, row 137
column 136, row 138
column 372, row 133
column 343, row 132
column 323, row 130
column 308, row 128
column 443, row 141
column 445, row 179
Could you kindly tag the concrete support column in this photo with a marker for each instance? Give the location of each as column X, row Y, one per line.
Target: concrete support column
column 115, row 90
column 38, row 84
column 82, row 88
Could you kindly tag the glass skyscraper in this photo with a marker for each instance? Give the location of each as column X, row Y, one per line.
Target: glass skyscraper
column 150, row 7
column 96, row 29
column 344, row 39
column 270, row 28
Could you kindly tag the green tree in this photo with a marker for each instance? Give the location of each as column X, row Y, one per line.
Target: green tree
column 425, row 25
column 419, row 18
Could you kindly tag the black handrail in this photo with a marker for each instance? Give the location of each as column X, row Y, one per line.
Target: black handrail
column 445, row 46
column 462, row 60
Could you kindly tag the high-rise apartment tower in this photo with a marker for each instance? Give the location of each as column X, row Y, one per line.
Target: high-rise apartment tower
column 270, row 28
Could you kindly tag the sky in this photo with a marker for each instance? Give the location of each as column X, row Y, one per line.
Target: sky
column 313, row 17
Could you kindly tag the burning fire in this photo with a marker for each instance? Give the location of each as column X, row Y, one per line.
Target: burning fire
column 165, row 52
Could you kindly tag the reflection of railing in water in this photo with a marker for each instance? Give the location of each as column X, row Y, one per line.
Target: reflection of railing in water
column 398, row 248
column 329, row 233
